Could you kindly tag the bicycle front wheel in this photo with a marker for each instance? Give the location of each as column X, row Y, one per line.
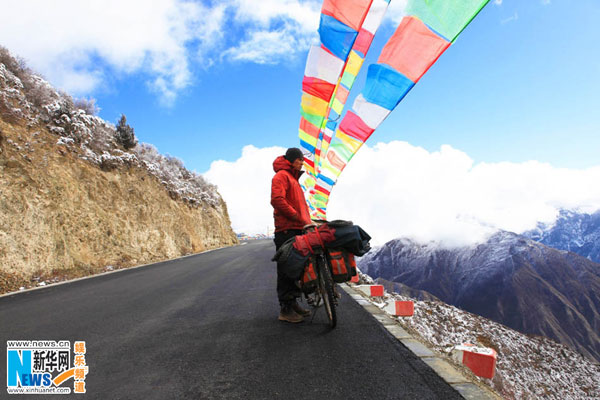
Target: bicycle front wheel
column 326, row 289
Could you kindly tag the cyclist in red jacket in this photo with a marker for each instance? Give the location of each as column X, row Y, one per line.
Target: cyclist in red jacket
column 291, row 215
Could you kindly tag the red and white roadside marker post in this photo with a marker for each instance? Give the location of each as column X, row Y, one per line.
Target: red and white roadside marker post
column 480, row 360
column 371, row 290
column 400, row 308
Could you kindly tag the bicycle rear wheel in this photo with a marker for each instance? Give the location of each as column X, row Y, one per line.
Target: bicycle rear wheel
column 326, row 289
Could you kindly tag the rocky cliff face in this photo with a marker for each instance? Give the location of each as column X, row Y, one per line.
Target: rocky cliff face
column 510, row 279
column 72, row 203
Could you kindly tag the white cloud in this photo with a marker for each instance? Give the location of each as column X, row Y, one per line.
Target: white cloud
column 74, row 43
column 81, row 46
column 265, row 12
column 514, row 17
column 498, row 2
column 78, row 45
column 269, row 47
column 395, row 12
column 245, row 184
column 396, row 189
column 278, row 29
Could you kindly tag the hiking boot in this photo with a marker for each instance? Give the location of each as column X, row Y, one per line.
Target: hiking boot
column 288, row 314
column 299, row 310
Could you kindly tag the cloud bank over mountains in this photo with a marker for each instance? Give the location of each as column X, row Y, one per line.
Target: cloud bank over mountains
column 398, row 190
column 245, row 185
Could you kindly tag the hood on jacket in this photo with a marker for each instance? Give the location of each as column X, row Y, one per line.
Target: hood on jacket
column 281, row 163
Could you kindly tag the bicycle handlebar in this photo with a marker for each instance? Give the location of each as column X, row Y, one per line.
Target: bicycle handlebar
column 309, row 227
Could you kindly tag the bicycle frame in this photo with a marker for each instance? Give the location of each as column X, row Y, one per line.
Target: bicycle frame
column 325, row 287
column 325, row 283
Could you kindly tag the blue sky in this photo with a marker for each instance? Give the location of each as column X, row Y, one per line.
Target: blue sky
column 521, row 83
column 501, row 133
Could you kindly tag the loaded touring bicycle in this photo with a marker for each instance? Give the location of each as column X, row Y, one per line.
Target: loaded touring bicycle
column 322, row 257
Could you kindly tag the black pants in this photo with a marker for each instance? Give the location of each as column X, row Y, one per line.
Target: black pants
column 287, row 291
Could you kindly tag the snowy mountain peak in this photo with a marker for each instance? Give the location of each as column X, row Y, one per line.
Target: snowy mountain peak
column 510, row 279
column 572, row 231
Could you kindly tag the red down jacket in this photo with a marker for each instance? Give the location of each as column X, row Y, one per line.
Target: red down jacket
column 287, row 197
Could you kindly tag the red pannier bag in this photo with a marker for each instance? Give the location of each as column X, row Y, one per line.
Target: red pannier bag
column 309, row 278
column 343, row 265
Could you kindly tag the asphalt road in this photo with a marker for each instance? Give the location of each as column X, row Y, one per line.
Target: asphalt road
column 205, row 327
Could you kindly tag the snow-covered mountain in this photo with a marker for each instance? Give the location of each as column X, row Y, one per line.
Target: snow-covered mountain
column 510, row 279
column 572, row 231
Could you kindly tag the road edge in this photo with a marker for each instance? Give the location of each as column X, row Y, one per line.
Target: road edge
column 450, row 374
column 16, row 292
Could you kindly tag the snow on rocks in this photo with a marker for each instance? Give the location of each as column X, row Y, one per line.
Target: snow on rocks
column 527, row 366
column 63, row 141
column 7, row 78
column 27, row 97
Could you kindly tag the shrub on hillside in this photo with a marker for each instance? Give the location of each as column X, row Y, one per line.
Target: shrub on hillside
column 171, row 171
column 40, row 95
column 37, row 91
column 103, row 139
column 25, row 96
column 16, row 65
column 62, row 118
column 88, row 105
column 124, row 134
